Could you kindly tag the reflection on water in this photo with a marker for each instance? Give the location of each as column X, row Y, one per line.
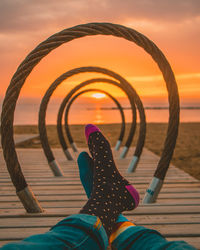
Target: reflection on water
column 98, row 117
column 27, row 113
column 81, row 115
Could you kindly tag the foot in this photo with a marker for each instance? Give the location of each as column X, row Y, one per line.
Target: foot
column 86, row 167
column 111, row 194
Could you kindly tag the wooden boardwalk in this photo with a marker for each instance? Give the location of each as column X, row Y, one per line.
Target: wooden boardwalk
column 18, row 138
column 176, row 214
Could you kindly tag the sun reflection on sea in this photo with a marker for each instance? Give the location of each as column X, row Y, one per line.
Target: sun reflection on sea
column 98, row 117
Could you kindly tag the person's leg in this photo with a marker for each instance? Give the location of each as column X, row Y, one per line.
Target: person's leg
column 111, row 193
column 129, row 236
column 80, row 231
column 125, row 234
column 86, row 171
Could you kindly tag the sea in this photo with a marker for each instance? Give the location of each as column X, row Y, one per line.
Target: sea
column 26, row 112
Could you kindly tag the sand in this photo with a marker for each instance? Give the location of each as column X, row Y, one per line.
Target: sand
column 186, row 155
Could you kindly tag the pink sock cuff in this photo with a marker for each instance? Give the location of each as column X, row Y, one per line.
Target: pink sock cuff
column 89, row 129
column 134, row 193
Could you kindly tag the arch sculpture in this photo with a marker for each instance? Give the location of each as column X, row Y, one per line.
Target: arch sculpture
column 131, row 93
column 119, row 107
column 141, row 138
column 132, row 130
column 130, row 137
column 43, row 107
column 24, row 191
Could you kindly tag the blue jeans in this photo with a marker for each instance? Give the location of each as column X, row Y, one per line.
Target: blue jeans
column 82, row 231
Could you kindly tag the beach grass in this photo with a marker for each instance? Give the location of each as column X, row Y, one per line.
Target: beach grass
column 186, row 155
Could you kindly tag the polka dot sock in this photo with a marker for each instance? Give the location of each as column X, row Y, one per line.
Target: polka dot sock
column 111, row 193
column 86, row 166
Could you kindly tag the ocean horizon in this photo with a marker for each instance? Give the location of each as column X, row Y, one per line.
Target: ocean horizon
column 99, row 112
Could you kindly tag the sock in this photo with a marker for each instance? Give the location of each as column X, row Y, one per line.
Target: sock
column 86, row 166
column 111, row 193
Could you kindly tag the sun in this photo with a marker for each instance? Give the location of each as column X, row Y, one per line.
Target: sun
column 98, row 95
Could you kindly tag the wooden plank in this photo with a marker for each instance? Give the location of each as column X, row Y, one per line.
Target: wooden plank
column 18, row 138
column 77, row 182
column 16, row 234
column 6, row 195
column 73, row 196
column 141, row 210
column 34, row 174
column 76, row 177
column 176, row 215
column 72, row 166
column 76, row 190
column 178, row 230
column 31, row 175
column 79, row 204
column 183, row 186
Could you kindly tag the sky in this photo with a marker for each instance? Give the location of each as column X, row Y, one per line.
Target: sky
column 172, row 25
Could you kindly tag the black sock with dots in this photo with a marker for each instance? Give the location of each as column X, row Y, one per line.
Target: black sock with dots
column 111, row 193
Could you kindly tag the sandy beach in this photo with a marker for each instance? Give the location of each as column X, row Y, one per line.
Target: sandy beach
column 186, row 155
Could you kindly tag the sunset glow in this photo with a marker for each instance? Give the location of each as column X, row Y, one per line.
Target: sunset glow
column 172, row 26
column 98, row 95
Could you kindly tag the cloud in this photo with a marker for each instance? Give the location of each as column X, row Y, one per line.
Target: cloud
column 154, row 78
column 165, row 10
column 23, row 15
column 172, row 24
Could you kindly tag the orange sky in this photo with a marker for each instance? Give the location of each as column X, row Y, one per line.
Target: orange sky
column 172, row 25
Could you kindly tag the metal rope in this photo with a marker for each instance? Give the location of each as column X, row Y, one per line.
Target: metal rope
column 43, row 107
column 83, row 84
column 142, row 131
column 67, row 129
column 55, row 41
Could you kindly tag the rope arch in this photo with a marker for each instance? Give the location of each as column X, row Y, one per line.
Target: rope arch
column 83, row 84
column 141, row 138
column 29, row 201
column 131, row 93
column 67, row 129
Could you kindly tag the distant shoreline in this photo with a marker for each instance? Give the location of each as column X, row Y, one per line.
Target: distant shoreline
column 104, row 113
column 102, row 124
column 149, row 108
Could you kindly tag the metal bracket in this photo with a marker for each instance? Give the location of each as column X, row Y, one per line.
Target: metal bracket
column 118, row 144
column 124, row 152
column 55, row 168
column 153, row 191
column 133, row 164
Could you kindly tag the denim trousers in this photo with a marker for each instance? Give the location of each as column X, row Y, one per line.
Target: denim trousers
column 82, row 231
